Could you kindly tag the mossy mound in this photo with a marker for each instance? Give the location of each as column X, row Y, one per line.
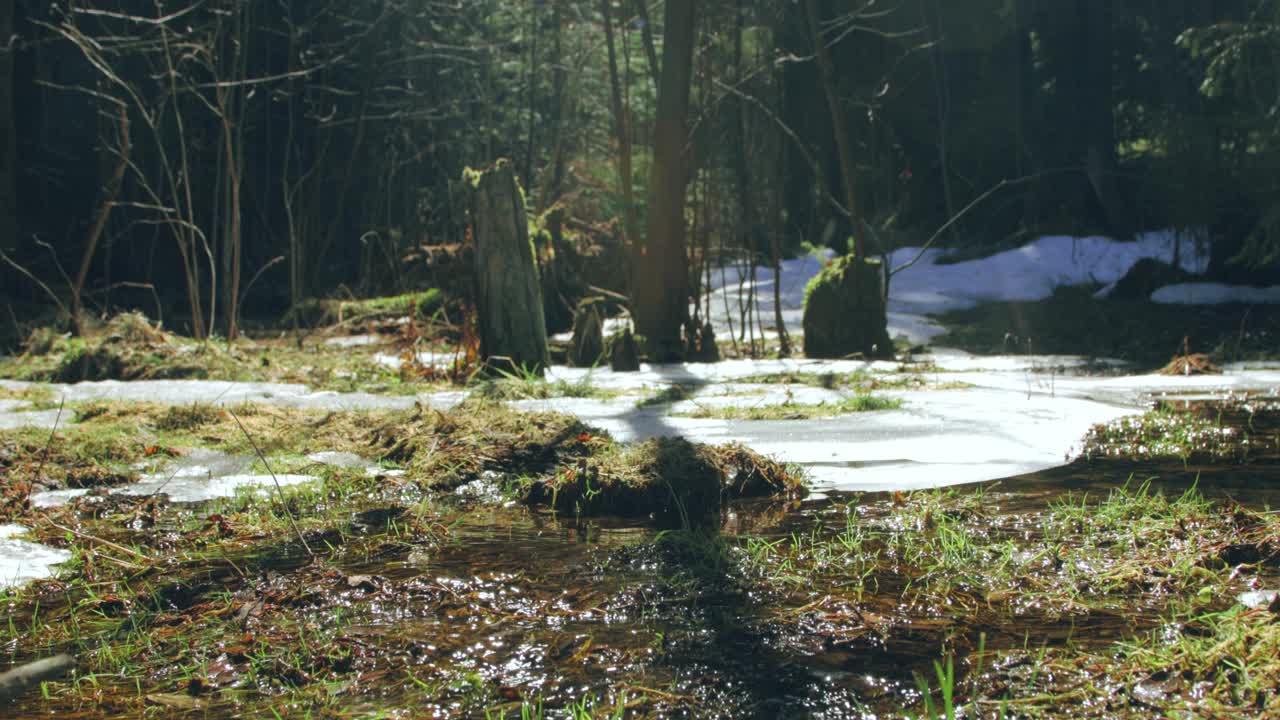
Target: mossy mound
column 844, row 311
column 674, row 482
column 444, row 449
column 554, row 459
column 129, row 348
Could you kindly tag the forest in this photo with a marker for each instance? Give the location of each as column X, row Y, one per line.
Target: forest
column 639, row 358
column 228, row 159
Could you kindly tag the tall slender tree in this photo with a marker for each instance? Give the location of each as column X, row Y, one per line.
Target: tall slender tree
column 622, row 130
column 661, row 282
column 839, row 125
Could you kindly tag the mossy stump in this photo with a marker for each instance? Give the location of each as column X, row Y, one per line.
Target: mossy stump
column 844, row 311
column 509, row 292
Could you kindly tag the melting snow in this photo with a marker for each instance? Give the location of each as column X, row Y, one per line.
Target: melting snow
column 929, row 286
column 22, row 561
column 1023, row 413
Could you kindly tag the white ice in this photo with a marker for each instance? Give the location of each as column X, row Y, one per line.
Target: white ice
column 22, row 561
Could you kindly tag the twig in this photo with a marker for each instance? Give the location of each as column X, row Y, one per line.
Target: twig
column 98, row 540
column 16, row 681
column 44, row 457
column 269, row 264
column 975, row 203
column 279, row 490
column 5, row 256
column 144, row 286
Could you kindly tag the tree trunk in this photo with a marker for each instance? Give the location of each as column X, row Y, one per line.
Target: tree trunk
column 661, row 283
column 646, row 35
column 513, row 333
column 1100, row 134
column 622, row 127
column 530, row 150
column 846, row 313
column 839, row 128
column 8, row 146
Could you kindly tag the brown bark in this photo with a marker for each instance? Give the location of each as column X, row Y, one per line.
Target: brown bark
column 839, row 126
column 661, row 284
column 513, row 331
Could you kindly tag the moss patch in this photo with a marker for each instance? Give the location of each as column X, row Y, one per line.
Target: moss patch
column 319, row 312
column 863, row 380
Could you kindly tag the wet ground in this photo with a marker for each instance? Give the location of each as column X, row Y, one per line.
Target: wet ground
column 1045, row 594
column 241, row 549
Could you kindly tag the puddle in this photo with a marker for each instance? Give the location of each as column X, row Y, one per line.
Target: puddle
column 510, row 604
column 22, row 561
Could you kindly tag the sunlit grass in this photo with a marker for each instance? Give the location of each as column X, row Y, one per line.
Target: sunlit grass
column 794, row 410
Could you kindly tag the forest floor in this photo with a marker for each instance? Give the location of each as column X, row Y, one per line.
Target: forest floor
column 376, row 552
column 350, row 522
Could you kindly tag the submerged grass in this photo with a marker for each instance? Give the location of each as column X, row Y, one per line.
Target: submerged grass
column 972, row 602
column 793, row 410
column 862, row 381
column 1231, row 431
column 1147, row 582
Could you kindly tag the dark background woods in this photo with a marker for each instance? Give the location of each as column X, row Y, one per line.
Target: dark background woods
column 259, row 152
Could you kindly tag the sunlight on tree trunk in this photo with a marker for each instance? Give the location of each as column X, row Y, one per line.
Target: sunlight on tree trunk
column 508, row 293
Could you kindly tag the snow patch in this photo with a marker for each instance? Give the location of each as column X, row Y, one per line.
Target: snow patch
column 22, row 561
column 928, row 286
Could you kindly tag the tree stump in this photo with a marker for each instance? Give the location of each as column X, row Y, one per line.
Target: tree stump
column 623, row 356
column 512, row 328
column 700, row 344
column 587, row 346
column 844, row 311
